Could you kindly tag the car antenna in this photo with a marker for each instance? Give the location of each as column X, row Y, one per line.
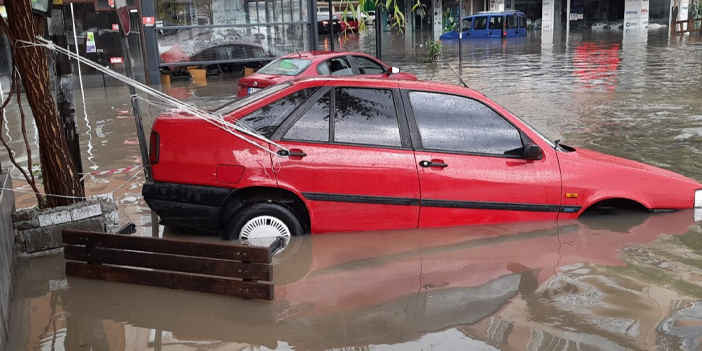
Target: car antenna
column 456, row 74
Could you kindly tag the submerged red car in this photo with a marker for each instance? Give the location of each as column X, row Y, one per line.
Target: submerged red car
column 376, row 154
column 318, row 63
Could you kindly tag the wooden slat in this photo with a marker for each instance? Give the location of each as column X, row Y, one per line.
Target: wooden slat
column 176, row 281
column 169, row 246
column 170, row 262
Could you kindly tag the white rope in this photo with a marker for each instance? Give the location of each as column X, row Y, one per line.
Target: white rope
column 242, row 132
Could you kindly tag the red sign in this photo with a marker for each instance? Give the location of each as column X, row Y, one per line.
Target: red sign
column 115, row 27
column 147, row 21
column 116, row 60
column 123, row 13
column 111, row 3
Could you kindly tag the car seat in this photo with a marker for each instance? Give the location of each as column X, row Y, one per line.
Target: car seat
column 336, row 66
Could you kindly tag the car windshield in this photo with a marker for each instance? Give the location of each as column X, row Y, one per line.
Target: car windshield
column 248, row 99
column 286, row 66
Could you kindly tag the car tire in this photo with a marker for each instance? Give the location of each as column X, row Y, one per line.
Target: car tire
column 263, row 218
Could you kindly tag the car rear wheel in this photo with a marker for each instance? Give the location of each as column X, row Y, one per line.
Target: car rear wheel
column 259, row 224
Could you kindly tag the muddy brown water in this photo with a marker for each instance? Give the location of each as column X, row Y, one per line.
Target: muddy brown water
column 623, row 283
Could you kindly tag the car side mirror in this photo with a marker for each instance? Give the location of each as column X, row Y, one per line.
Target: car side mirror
column 533, row 152
column 394, row 70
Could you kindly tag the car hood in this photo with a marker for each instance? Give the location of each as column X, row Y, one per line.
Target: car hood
column 597, row 158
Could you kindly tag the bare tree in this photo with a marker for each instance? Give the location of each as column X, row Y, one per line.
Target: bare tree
column 30, row 62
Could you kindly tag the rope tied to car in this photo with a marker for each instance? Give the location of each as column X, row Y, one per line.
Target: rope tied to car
column 234, row 128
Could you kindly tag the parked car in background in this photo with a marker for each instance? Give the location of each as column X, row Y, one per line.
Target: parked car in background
column 324, row 25
column 356, row 154
column 318, row 63
column 213, row 51
column 370, row 18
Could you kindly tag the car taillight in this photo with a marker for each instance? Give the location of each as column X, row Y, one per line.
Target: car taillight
column 325, row 22
column 154, row 147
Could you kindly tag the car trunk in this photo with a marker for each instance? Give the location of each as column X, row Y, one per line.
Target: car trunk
column 250, row 84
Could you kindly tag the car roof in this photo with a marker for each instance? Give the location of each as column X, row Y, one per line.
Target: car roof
column 321, row 54
column 388, row 83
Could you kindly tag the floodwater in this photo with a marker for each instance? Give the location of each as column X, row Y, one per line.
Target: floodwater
column 621, row 283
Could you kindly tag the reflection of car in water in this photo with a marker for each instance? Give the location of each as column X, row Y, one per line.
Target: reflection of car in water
column 361, row 289
column 222, row 52
column 600, row 26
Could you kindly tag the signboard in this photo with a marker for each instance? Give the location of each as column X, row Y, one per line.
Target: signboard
column 148, row 21
column 116, row 60
column 115, row 27
column 123, row 14
column 90, row 43
column 3, row 12
column 111, row 3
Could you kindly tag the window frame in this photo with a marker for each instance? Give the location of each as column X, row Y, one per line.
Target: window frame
column 417, row 138
column 400, row 114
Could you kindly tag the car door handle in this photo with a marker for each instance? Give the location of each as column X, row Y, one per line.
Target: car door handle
column 432, row 164
column 292, row 152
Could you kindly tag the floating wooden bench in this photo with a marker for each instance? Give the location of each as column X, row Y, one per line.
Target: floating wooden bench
column 233, row 270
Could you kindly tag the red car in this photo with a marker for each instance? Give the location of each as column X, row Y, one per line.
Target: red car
column 400, row 154
column 348, row 22
column 318, row 63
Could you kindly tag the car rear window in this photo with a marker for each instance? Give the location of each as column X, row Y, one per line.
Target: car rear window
column 286, row 66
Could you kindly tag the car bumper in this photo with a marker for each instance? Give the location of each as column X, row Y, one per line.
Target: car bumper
column 189, row 207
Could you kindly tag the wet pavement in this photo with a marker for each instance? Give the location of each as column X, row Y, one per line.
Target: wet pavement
column 617, row 283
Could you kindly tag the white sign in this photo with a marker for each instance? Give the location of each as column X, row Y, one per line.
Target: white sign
column 90, row 43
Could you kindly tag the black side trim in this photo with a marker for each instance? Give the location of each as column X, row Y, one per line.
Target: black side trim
column 571, row 209
column 377, row 200
column 480, row 205
column 185, row 193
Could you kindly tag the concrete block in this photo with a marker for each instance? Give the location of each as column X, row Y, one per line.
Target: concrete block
column 54, row 218
column 93, row 210
column 41, row 239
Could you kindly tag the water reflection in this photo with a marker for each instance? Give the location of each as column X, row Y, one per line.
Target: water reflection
column 516, row 287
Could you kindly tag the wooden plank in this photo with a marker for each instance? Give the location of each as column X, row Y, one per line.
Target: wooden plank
column 170, row 262
column 169, row 280
column 169, row 246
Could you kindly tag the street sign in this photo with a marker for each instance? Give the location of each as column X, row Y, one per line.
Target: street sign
column 111, row 3
column 116, row 60
column 148, row 21
column 115, row 27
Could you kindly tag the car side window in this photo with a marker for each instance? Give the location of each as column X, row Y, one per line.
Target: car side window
column 522, row 21
column 480, row 23
column 368, row 66
column 466, row 24
column 366, row 117
column 512, row 22
column 314, row 124
column 496, row 22
column 460, row 124
column 268, row 118
column 339, row 66
column 323, row 69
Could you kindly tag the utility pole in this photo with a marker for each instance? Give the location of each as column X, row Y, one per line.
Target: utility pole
column 378, row 31
column 123, row 14
column 331, row 25
column 460, row 32
column 64, row 89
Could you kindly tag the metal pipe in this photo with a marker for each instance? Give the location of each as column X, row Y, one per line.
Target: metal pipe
column 460, row 32
column 331, row 26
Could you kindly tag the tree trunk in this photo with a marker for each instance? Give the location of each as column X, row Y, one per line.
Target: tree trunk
column 58, row 170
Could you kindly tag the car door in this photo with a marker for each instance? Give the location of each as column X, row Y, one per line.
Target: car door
column 495, row 24
column 470, row 166
column 368, row 67
column 357, row 173
column 480, row 27
column 467, row 26
column 511, row 26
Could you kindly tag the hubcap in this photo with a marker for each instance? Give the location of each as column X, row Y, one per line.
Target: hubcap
column 263, row 230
